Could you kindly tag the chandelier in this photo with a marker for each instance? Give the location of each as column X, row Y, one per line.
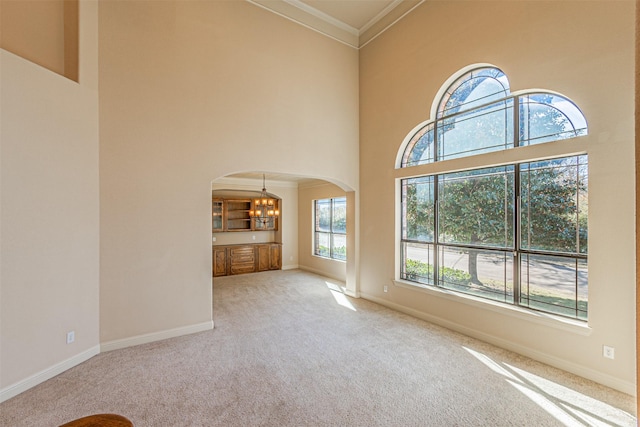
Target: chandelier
column 265, row 209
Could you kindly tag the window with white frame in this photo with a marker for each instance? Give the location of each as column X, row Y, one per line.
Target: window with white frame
column 330, row 228
column 515, row 232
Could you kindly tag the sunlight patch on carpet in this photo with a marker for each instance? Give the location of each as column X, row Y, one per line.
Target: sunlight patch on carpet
column 339, row 296
column 568, row 406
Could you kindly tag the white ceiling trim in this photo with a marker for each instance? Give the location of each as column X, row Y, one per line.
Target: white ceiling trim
column 327, row 18
column 379, row 16
column 318, row 21
column 313, row 22
column 370, row 38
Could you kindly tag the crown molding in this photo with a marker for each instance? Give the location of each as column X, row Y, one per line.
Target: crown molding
column 312, row 20
column 316, row 20
column 386, row 19
column 321, row 15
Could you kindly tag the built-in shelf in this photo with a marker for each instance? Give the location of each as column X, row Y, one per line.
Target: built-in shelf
column 235, row 215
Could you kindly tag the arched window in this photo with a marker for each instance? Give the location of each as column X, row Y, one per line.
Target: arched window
column 515, row 233
column 477, row 114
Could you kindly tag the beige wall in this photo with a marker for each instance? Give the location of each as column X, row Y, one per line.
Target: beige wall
column 43, row 31
column 190, row 92
column 49, row 216
column 583, row 50
column 306, row 195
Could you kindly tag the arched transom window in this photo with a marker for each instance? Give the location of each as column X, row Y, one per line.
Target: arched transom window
column 515, row 233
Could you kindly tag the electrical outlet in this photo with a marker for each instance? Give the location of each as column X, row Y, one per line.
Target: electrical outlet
column 71, row 337
column 608, row 352
column 386, row 288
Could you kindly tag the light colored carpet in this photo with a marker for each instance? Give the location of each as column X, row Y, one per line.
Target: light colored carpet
column 287, row 350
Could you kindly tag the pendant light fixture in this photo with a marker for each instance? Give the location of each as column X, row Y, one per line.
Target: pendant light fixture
column 265, row 209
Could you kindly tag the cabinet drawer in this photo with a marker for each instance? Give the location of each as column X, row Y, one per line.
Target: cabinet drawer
column 241, row 268
column 243, row 254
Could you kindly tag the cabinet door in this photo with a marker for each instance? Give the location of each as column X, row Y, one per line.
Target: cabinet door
column 219, row 262
column 217, row 220
column 275, row 257
column 264, row 257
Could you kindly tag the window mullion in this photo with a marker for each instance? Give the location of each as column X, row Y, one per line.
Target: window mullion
column 331, row 228
column 436, row 229
column 436, row 140
column 577, row 205
column 331, row 215
column 331, row 245
column 516, row 121
column 516, row 237
column 576, row 302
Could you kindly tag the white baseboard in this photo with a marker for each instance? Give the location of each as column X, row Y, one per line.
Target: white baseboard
column 155, row 336
column 290, row 267
column 46, row 374
column 322, row 273
column 582, row 371
column 352, row 294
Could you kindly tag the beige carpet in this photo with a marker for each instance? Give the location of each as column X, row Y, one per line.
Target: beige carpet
column 287, row 350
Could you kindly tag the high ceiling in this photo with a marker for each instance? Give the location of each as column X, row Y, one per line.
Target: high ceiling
column 353, row 22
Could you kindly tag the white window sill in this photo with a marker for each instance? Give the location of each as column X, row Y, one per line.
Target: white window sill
column 558, row 322
column 329, row 258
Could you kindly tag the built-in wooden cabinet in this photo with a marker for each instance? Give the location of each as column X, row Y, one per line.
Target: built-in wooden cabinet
column 250, row 258
column 235, row 215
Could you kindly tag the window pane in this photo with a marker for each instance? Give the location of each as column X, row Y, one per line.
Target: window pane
column 487, row 274
column 418, row 207
column 417, row 263
column 323, row 215
column 478, row 131
column 420, row 149
column 476, row 207
column 339, row 246
column 554, row 284
column 323, row 244
column 339, row 223
column 331, row 218
column 476, row 88
column 546, row 117
column 554, row 202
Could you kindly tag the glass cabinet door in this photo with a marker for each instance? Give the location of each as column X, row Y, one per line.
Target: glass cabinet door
column 217, row 215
